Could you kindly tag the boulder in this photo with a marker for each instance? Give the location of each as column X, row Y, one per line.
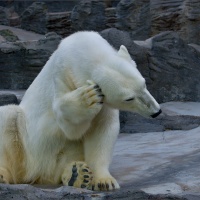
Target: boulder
column 134, row 16
column 180, row 16
column 88, row 15
column 174, row 116
column 34, row 18
column 173, row 69
column 8, row 35
column 3, row 16
column 59, row 22
column 22, row 61
column 7, row 98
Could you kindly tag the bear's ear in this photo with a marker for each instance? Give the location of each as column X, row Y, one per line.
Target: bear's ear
column 123, row 52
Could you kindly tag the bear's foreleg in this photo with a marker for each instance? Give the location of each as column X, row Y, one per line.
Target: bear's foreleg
column 75, row 110
column 98, row 148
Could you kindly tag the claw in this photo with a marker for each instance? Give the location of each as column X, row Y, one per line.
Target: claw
column 98, row 90
column 92, row 187
column 113, row 185
column 83, row 186
column 96, row 87
column 85, row 181
column 99, row 185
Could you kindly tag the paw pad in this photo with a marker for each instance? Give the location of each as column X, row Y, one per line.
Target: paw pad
column 81, row 176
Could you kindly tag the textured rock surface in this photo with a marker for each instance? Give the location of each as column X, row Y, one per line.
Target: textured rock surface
column 59, row 23
column 159, row 163
column 22, row 192
column 21, row 34
column 173, row 66
column 88, row 15
column 134, row 16
column 179, row 15
column 8, row 35
column 34, row 18
column 22, row 61
column 16, row 96
column 7, row 98
column 170, row 66
column 3, row 16
column 175, row 116
column 52, row 5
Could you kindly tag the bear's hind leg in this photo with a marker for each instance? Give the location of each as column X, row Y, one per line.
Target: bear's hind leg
column 77, row 174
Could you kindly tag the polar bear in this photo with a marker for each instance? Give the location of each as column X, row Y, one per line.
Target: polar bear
column 65, row 128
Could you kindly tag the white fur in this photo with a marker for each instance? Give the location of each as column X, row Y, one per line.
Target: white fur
column 59, row 127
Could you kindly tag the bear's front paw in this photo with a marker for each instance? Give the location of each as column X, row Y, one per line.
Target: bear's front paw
column 77, row 174
column 104, row 184
column 92, row 98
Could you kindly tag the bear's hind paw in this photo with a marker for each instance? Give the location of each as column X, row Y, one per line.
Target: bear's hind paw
column 77, row 174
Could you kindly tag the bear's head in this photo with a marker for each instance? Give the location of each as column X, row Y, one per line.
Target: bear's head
column 124, row 87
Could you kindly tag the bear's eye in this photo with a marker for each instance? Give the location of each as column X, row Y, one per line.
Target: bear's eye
column 130, row 99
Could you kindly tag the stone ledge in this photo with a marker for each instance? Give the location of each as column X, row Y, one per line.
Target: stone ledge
column 24, row 192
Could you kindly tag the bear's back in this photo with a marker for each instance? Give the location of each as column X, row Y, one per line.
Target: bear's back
column 87, row 43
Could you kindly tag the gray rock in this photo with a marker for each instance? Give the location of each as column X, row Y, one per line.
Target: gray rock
column 6, row 98
column 175, row 116
column 180, row 16
column 34, row 18
column 111, row 17
column 88, row 15
column 3, row 16
column 159, row 162
column 22, row 61
column 59, row 23
column 8, row 35
column 24, row 192
column 17, row 93
column 53, row 6
column 22, row 35
column 173, row 66
column 134, row 16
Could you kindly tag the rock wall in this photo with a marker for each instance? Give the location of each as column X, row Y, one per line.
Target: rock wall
column 182, row 16
column 20, row 62
column 142, row 18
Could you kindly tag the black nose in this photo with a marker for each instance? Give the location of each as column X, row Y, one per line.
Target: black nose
column 156, row 114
